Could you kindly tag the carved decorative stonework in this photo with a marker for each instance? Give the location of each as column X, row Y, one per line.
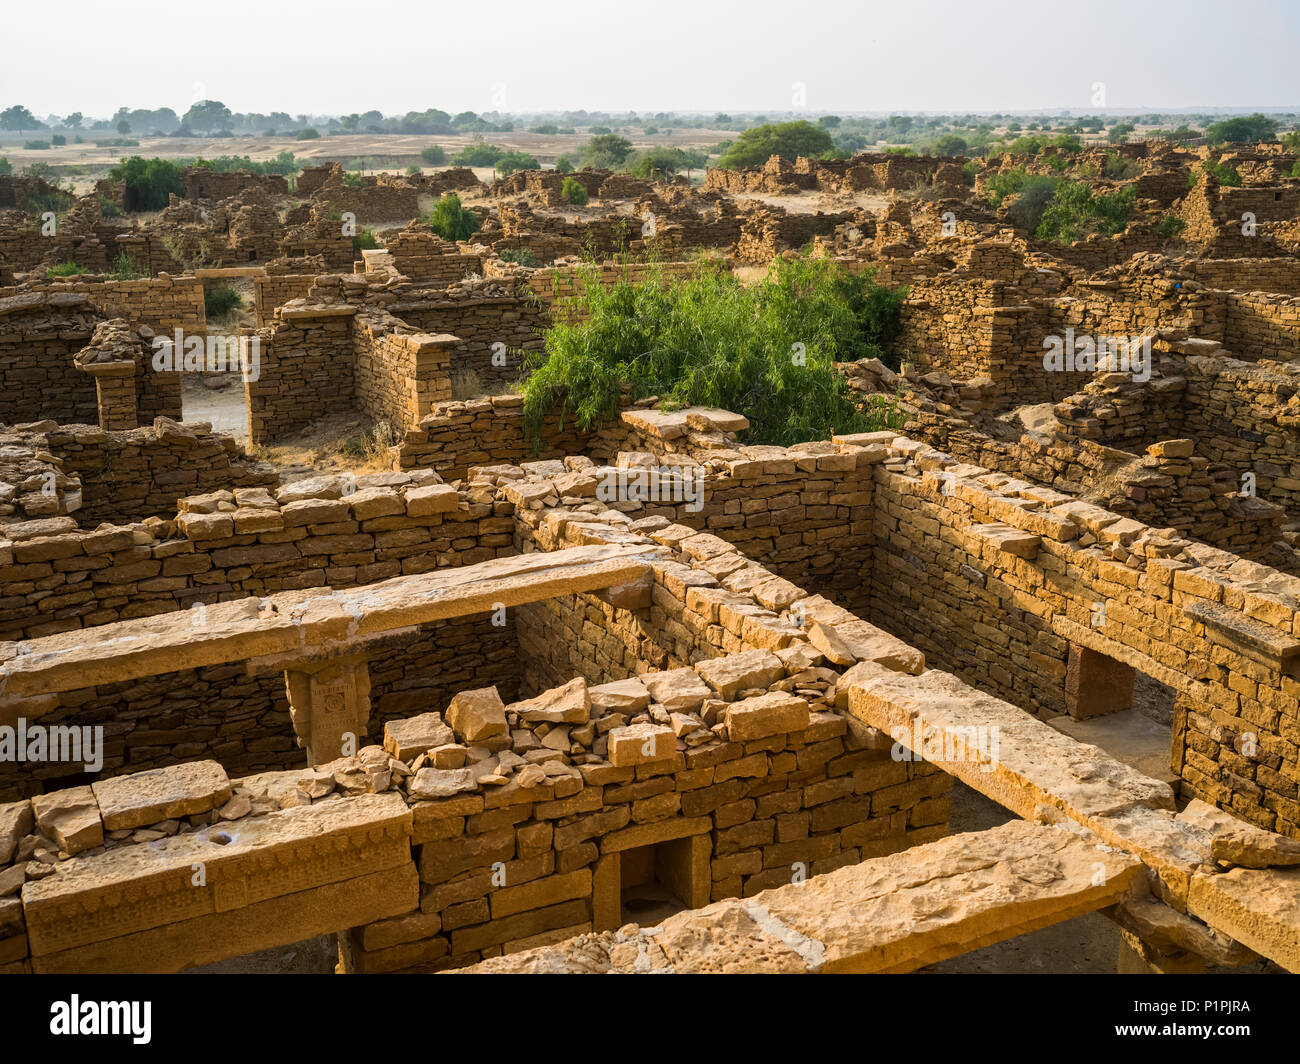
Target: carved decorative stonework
column 329, row 703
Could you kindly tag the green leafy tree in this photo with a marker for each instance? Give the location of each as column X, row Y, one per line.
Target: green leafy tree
column 950, row 144
column 764, row 350
column 451, row 221
column 478, row 154
column 658, row 162
column 124, row 127
column 564, row 164
column 789, row 140
column 608, row 151
column 207, row 115
column 510, row 161
column 18, row 118
column 1245, row 129
column 74, row 120
column 433, row 155
column 309, row 133
column 148, row 182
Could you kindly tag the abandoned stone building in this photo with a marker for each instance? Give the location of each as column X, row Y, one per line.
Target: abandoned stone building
column 649, row 696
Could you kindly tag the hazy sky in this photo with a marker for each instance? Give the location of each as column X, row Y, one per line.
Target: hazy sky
column 326, row 57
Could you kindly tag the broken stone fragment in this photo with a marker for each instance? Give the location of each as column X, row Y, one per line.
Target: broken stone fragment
column 733, row 673
column 477, row 715
column 775, row 713
column 12, row 879
column 621, row 696
column 569, row 704
column 678, row 690
column 639, row 744
column 71, row 818
column 238, row 806
column 16, row 820
column 407, row 739
column 441, row 783
column 1235, row 842
column 316, row 783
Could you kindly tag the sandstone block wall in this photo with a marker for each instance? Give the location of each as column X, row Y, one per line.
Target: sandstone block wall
column 275, row 290
column 128, row 476
column 995, row 579
column 307, row 371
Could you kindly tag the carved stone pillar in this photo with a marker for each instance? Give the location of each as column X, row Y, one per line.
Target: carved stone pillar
column 329, row 703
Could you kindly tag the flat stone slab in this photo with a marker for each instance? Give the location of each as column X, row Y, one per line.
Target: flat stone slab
column 161, row 794
column 218, row 870
column 292, row 624
column 997, row 748
column 891, row 914
column 1031, row 768
column 1258, row 907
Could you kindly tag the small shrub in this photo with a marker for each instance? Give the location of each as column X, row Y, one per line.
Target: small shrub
column 574, row 191
column 1118, row 168
column 108, row 208
column 1076, row 212
column 125, row 268
column 1223, row 173
column 508, row 162
column 451, row 221
column 6, row 167
column 1001, row 185
column 63, row 269
column 307, row 134
column 563, row 165
column 36, row 145
column 58, row 140
column 356, row 180
column 433, row 155
column 365, row 241
column 1170, row 226
column 412, row 170
column 968, row 171
column 521, row 256
column 371, row 444
column 220, row 300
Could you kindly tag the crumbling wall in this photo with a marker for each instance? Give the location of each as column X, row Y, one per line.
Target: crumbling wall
column 128, row 476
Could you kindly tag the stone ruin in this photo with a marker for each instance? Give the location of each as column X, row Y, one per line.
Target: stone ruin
column 652, row 697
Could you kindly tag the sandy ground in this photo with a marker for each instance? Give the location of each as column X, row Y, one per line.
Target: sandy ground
column 393, row 151
column 810, row 201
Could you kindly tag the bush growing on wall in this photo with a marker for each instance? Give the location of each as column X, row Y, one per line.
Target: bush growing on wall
column 451, row 221
column 764, row 350
column 574, row 192
column 149, row 183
